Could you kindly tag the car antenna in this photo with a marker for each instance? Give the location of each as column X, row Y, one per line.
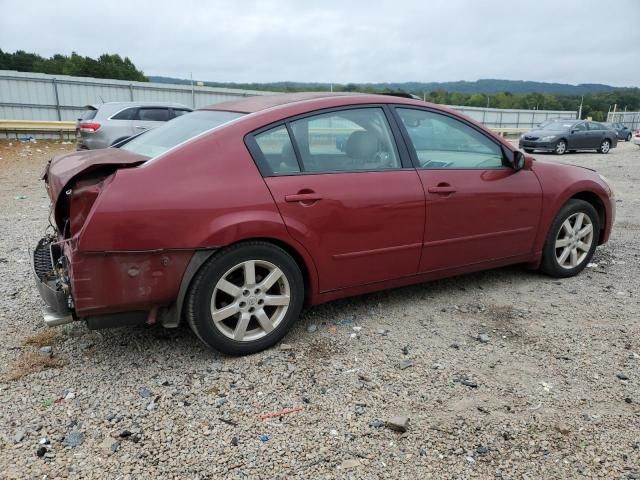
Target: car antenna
column 101, row 99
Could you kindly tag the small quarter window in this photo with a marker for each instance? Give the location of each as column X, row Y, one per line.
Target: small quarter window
column 153, row 114
column 277, row 150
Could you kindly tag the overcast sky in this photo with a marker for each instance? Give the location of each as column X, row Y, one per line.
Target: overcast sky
column 569, row 41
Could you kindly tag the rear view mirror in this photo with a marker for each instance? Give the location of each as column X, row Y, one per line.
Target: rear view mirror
column 518, row 160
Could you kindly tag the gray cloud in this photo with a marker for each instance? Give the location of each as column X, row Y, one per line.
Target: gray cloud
column 571, row 41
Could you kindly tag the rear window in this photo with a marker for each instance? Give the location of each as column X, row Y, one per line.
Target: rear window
column 157, row 141
column 89, row 114
column 126, row 114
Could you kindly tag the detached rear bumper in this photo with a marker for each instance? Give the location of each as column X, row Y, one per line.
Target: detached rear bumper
column 50, row 277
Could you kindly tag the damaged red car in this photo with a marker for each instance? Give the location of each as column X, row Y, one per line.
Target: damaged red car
column 236, row 216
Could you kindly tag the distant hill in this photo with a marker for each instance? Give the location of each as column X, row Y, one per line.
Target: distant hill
column 486, row 86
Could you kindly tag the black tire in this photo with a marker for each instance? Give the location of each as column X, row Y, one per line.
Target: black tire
column 561, row 147
column 628, row 139
column 605, row 146
column 198, row 301
column 550, row 264
column 528, row 150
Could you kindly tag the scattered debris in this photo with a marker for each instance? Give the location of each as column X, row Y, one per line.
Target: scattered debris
column 405, row 364
column 469, row 383
column 73, row 439
column 398, row 423
column 376, row 423
column 483, row 338
column 312, row 328
column 264, row 438
column 622, row 376
column 281, row 413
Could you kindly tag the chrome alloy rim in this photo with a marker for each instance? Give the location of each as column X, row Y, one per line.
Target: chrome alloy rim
column 605, row 146
column 561, row 147
column 574, row 240
column 250, row 300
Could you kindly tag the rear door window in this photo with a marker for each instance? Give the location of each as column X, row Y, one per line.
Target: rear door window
column 346, row 140
column 153, row 114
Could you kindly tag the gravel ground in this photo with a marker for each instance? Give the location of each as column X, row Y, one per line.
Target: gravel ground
column 502, row 374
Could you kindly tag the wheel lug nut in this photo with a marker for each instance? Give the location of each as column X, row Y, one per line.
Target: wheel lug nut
column 251, row 310
column 257, row 290
column 242, row 304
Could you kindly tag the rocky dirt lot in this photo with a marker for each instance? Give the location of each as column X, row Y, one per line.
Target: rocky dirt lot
column 503, row 374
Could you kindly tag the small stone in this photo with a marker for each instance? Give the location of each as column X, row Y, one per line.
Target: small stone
column 264, row 438
column 44, row 441
column 482, row 450
column 312, row 328
column 46, row 349
column 70, row 396
column 50, row 455
column 405, row 350
column 285, row 347
column 483, row 338
column 382, row 331
column 563, row 429
column 234, row 441
column 422, row 452
column 406, row 364
column 628, row 400
column 145, row 392
column 359, row 409
column 41, row 451
column 356, row 329
column 73, row 439
column 350, row 463
column 470, row 459
column 220, row 402
column 333, row 432
column 376, row 423
column 437, row 366
column 86, row 345
column 622, row 376
column 455, row 346
column 110, row 417
column 398, row 423
column 469, row 383
column 125, row 434
column 19, row 436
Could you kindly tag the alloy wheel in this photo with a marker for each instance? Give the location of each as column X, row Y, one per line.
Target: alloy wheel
column 561, row 147
column 605, row 146
column 574, row 240
column 250, row 300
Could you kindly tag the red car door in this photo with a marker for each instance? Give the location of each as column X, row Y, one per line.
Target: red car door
column 477, row 209
column 344, row 195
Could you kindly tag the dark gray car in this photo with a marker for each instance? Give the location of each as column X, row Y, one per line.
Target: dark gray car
column 624, row 132
column 570, row 135
column 106, row 124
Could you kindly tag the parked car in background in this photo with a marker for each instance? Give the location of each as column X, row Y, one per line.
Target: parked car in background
column 552, row 120
column 106, row 124
column 636, row 137
column 569, row 135
column 235, row 216
column 624, row 132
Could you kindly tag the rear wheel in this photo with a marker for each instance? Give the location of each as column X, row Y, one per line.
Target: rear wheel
column 628, row 139
column 561, row 147
column 605, row 146
column 571, row 240
column 528, row 150
column 245, row 298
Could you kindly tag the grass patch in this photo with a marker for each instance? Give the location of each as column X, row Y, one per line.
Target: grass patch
column 29, row 362
column 43, row 338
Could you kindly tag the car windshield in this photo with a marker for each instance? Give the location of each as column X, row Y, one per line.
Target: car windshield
column 157, row 141
column 557, row 126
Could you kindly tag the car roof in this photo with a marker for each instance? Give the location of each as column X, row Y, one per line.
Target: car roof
column 112, row 105
column 263, row 102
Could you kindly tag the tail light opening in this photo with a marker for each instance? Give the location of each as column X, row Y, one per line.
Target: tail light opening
column 89, row 127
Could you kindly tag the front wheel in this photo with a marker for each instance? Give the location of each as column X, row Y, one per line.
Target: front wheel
column 561, row 147
column 245, row 298
column 571, row 240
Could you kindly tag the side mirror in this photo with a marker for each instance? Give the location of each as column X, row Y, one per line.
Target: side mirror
column 518, row 160
column 514, row 159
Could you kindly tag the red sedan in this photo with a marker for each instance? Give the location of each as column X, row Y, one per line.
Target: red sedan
column 237, row 215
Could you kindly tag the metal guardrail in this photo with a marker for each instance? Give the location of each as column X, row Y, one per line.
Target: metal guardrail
column 17, row 127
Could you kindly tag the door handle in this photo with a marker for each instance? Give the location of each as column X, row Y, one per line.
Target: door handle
column 303, row 197
column 442, row 188
column 139, row 127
